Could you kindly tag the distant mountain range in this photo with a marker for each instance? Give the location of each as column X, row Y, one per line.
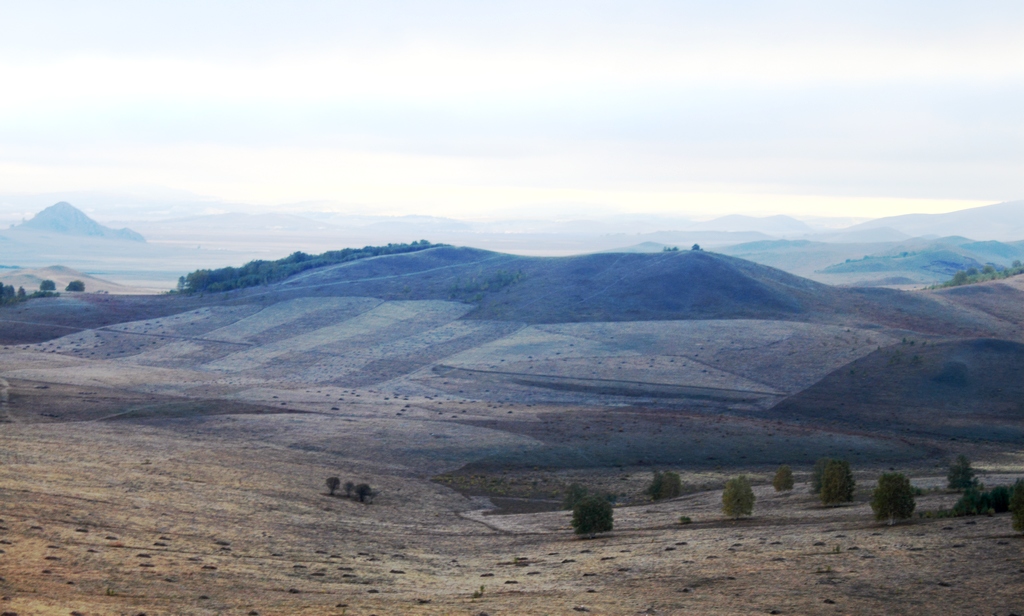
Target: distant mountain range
column 1002, row 221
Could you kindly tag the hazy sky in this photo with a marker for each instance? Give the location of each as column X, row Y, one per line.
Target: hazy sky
column 485, row 108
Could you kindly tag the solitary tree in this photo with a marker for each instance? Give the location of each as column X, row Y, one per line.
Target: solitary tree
column 893, row 499
column 1017, row 505
column 332, row 484
column 738, row 497
column 665, row 485
column 783, row 481
column 47, row 285
column 364, row 492
column 573, row 495
column 592, row 515
column 961, row 475
column 75, row 285
column 818, row 474
column 349, row 486
column 837, row 484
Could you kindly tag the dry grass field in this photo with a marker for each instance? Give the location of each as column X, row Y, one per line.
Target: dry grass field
column 167, row 455
column 228, row 515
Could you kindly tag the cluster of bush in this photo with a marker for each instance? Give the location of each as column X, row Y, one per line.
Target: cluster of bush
column 259, row 272
column 591, row 511
column 989, row 272
column 893, row 499
column 47, row 288
column 360, row 491
column 978, row 501
column 474, row 288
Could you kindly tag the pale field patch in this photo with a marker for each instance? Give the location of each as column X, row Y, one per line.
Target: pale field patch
column 289, row 311
column 339, row 337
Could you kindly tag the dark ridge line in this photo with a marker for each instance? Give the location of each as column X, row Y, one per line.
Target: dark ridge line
column 611, row 381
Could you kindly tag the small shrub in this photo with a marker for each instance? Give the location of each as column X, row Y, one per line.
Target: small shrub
column 783, row 480
column 685, row 519
column 837, row 484
column 364, row 492
column 349, row 486
column 893, row 499
column 961, row 475
column 592, row 515
column 665, row 485
column 738, row 497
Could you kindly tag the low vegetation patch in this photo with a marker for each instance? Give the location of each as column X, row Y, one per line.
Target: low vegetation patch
column 474, row 288
column 974, row 275
column 665, row 485
column 259, row 272
column 10, row 295
column 592, row 515
column 738, row 497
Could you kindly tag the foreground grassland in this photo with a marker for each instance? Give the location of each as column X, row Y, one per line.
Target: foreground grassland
column 229, row 515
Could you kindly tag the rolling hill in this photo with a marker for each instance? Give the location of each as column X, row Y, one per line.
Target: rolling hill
column 966, row 389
